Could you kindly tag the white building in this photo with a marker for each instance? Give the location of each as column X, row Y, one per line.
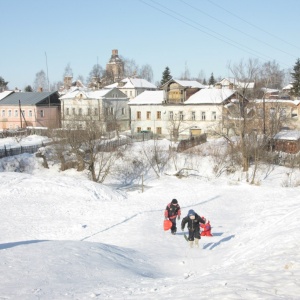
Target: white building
column 106, row 108
column 132, row 87
column 203, row 110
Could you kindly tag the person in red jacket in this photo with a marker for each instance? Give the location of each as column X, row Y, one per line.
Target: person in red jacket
column 172, row 212
column 206, row 228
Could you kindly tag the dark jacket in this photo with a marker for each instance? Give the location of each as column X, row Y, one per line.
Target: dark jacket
column 172, row 211
column 192, row 224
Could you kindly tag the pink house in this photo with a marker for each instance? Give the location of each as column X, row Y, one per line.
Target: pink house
column 37, row 109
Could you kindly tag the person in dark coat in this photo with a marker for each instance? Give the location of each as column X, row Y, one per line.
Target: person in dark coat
column 193, row 221
column 172, row 212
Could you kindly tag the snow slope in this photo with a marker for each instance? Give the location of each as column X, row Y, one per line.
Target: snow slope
column 65, row 237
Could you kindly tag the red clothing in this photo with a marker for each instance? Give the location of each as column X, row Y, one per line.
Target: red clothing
column 206, row 229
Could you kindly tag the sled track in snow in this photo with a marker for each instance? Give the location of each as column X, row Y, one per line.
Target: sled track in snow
column 145, row 212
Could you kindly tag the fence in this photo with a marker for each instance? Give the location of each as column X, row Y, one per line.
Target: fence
column 191, row 142
column 8, row 151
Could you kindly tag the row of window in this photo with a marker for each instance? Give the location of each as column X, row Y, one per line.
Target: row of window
column 90, row 111
column 15, row 113
column 180, row 115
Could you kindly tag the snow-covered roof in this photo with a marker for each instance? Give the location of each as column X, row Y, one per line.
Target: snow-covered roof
column 215, row 96
column 267, row 90
column 292, row 135
column 89, row 95
column 5, row 94
column 295, row 102
column 131, row 83
column 288, row 87
column 239, row 84
column 190, row 83
column 148, row 97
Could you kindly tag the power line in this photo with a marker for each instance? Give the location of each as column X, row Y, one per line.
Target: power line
column 238, row 45
column 261, row 29
column 222, row 22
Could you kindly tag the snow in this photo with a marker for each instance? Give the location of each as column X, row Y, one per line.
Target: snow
column 148, row 97
column 292, row 135
column 65, row 237
column 210, row 96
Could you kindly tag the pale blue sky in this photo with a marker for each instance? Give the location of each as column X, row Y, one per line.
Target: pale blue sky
column 204, row 35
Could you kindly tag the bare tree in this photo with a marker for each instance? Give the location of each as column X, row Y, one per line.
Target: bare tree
column 40, row 82
column 68, row 71
column 95, row 75
column 146, row 72
column 244, row 73
column 131, row 68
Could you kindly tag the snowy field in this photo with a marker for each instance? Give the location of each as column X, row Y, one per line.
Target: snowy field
column 66, row 237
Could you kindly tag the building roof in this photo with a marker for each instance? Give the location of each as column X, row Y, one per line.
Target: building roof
column 190, row 83
column 187, row 83
column 238, row 84
column 148, row 97
column 210, row 96
column 133, row 83
column 97, row 94
column 291, row 135
column 295, row 102
column 5, row 94
column 26, row 98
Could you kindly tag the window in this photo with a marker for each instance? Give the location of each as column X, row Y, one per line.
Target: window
column 193, row 116
column 213, row 115
column 23, row 113
column 96, row 112
column 181, row 115
column 3, row 113
column 138, row 115
column 158, row 115
column 130, row 93
column 123, row 111
column 138, row 129
column 30, row 113
column 272, row 111
column 158, row 130
column 73, row 111
column 111, row 110
column 42, row 113
column 171, row 115
column 149, row 128
column 203, row 118
column 16, row 112
column 89, row 111
column 67, row 111
column 9, row 113
column 148, row 115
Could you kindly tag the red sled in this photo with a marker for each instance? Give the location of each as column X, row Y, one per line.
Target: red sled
column 167, row 225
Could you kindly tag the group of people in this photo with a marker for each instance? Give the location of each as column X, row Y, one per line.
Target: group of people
column 193, row 221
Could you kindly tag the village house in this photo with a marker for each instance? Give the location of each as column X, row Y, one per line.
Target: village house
column 132, row 87
column 106, row 108
column 36, row 109
column 179, row 109
column 277, row 113
column 232, row 83
column 287, row 141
